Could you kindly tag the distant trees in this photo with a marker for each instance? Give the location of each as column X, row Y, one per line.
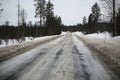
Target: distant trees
column 94, row 18
column 52, row 23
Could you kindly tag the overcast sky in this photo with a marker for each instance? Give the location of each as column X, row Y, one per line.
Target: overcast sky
column 71, row 11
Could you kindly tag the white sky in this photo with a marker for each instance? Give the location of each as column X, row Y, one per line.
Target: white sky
column 71, row 11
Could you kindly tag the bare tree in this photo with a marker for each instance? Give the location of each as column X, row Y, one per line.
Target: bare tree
column 18, row 29
column 112, row 7
column 1, row 9
column 18, row 12
column 23, row 16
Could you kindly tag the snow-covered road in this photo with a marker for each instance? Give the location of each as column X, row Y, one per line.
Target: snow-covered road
column 66, row 58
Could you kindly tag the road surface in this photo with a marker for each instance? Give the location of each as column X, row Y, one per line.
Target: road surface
column 65, row 58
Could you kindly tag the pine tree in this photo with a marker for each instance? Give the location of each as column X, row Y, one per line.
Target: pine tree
column 49, row 17
column 94, row 18
column 40, row 10
column 49, row 9
column 96, row 12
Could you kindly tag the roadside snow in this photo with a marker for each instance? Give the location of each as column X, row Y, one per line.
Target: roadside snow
column 63, row 33
column 100, row 35
column 11, row 42
column 78, row 33
column 13, row 65
column 90, row 65
column 104, row 43
column 14, row 47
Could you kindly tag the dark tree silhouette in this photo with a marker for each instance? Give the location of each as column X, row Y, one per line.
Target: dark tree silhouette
column 94, row 18
column 40, row 13
column 49, row 17
column 40, row 10
column 53, row 23
column 90, row 23
column 96, row 12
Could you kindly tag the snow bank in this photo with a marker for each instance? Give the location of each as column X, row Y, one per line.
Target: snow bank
column 100, row 35
column 95, row 35
column 63, row 33
column 91, row 65
column 104, row 43
column 10, row 42
column 28, row 44
column 78, row 33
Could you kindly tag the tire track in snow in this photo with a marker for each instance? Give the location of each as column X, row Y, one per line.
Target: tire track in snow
column 10, row 68
column 51, row 66
column 12, row 51
column 109, row 65
column 92, row 67
column 63, row 70
column 58, row 50
column 9, row 71
column 80, row 72
column 42, row 69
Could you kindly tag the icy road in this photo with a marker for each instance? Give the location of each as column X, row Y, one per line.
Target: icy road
column 65, row 58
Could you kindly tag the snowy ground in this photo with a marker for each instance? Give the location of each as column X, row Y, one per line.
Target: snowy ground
column 64, row 58
column 109, row 46
column 12, row 42
column 16, row 48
